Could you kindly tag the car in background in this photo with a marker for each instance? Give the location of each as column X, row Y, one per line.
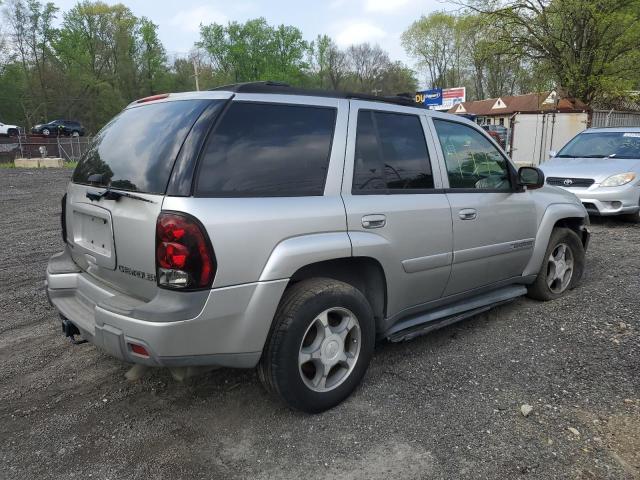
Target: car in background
column 601, row 166
column 59, row 127
column 498, row 130
column 9, row 130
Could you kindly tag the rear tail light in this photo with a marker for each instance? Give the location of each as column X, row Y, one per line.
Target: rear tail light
column 63, row 218
column 184, row 258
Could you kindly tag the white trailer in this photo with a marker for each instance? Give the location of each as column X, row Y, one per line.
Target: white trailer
column 533, row 135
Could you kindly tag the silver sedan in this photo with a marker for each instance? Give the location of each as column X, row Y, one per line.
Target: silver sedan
column 601, row 166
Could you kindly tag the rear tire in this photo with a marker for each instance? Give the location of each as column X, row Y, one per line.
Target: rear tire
column 46, row 132
column 320, row 346
column 565, row 251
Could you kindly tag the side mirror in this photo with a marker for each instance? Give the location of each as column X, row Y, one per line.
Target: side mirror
column 530, row 177
column 552, row 153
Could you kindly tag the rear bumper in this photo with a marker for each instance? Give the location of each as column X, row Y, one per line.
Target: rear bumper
column 609, row 200
column 229, row 330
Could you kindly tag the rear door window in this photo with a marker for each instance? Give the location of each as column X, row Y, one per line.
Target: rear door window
column 137, row 149
column 391, row 154
column 267, row 149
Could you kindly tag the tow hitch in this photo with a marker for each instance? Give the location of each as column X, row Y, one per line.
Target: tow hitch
column 70, row 331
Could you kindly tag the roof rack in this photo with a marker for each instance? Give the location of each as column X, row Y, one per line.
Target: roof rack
column 269, row 86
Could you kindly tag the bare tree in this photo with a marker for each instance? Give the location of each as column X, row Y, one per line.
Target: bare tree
column 367, row 64
column 337, row 65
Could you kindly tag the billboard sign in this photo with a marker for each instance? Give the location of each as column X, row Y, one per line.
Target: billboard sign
column 442, row 98
column 430, row 98
column 452, row 97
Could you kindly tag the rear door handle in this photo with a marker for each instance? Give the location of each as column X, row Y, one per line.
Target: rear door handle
column 374, row 221
column 468, row 214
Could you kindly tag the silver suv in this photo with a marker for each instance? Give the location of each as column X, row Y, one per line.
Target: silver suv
column 262, row 225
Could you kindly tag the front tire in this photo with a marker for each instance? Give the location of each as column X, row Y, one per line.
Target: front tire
column 46, row 132
column 562, row 267
column 320, row 345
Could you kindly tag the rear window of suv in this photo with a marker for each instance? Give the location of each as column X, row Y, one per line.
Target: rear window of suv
column 267, row 150
column 137, row 149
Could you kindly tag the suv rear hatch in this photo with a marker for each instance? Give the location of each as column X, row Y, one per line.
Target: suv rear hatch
column 118, row 188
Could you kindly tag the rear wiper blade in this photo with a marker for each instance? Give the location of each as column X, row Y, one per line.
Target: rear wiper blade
column 109, row 194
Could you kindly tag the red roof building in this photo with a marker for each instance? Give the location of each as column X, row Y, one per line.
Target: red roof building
column 497, row 111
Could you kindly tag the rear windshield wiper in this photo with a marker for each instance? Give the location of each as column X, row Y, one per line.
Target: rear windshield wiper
column 109, row 194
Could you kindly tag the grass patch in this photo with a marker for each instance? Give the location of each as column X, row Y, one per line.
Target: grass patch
column 7, row 165
column 70, row 164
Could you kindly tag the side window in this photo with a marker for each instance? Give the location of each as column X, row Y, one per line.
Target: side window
column 472, row 160
column 368, row 174
column 267, row 150
column 391, row 154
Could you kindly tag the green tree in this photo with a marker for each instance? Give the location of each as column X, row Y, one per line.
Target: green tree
column 96, row 47
column 397, row 78
column 31, row 33
column 591, row 47
column 434, row 41
column 330, row 65
column 318, row 60
column 152, row 57
column 254, row 50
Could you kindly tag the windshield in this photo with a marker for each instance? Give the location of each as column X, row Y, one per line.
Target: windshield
column 603, row 144
column 137, row 149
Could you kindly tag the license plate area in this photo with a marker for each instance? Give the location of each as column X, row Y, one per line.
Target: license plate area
column 93, row 235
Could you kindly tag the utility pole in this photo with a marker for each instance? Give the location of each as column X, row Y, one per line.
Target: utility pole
column 195, row 74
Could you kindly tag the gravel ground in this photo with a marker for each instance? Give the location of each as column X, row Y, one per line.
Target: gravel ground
column 442, row 406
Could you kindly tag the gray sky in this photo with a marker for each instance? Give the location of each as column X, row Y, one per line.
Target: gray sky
column 346, row 21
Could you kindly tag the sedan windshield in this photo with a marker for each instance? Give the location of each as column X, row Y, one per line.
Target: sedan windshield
column 603, row 144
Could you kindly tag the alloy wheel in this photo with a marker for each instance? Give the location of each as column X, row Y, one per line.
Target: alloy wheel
column 329, row 350
column 560, row 268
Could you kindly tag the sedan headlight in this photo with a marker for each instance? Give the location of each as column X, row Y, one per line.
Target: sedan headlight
column 619, row 179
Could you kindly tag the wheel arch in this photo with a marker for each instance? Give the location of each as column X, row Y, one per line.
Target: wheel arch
column 364, row 273
column 567, row 215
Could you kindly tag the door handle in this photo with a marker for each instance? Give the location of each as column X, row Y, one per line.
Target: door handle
column 374, row 221
column 468, row 214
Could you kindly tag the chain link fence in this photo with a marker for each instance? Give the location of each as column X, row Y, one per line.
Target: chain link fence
column 615, row 118
column 70, row 149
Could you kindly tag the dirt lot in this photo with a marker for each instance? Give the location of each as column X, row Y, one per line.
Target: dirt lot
column 443, row 406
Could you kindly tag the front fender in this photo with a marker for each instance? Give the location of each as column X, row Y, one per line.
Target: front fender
column 294, row 253
column 553, row 213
